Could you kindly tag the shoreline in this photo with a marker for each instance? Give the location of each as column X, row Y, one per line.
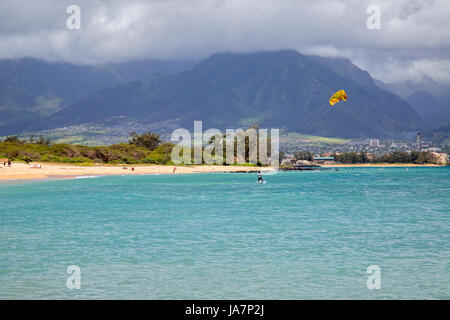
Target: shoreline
column 23, row 172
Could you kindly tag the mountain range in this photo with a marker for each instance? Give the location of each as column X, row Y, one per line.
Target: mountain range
column 283, row 89
column 32, row 89
column 430, row 99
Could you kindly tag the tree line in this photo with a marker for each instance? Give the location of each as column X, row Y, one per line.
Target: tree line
column 148, row 148
column 364, row 157
column 145, row 148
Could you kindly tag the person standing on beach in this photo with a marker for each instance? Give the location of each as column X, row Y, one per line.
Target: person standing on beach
column 174, row 169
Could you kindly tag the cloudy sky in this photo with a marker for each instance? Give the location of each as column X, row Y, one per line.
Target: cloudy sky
column 413, row 41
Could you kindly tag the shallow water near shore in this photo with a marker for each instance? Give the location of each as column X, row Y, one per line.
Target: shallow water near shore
column 302, row 235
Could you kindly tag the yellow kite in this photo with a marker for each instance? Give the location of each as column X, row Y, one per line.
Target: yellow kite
column 338, row 96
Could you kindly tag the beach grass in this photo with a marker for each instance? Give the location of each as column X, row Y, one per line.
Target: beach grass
column 293, row 137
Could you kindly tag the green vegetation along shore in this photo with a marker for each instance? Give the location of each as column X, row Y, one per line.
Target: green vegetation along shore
column 146, row 149
column 413, row 157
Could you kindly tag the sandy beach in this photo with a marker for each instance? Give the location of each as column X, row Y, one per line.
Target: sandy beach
column 22, row 171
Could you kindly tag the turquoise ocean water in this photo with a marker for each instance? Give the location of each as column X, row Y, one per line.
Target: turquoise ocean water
column 303, row 235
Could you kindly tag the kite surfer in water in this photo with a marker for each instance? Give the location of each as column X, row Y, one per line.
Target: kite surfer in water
column 260, row 179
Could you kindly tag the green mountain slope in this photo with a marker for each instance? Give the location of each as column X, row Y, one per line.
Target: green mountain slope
column 273, row 89
column 433, row 109
column 32, row 89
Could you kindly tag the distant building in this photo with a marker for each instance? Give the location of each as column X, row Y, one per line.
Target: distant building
column 441, row 158
column 288, row 159
column 433, row 149
column 324, row 160
column 419, row 142
column 295, row 162
column 374, row 143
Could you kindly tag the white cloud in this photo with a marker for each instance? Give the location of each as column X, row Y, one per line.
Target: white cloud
column 413, row 33
column 416, row 71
